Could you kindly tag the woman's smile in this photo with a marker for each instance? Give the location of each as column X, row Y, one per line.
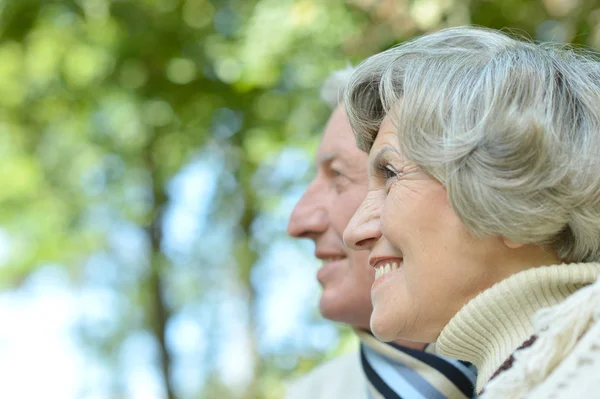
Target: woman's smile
column 384, row 270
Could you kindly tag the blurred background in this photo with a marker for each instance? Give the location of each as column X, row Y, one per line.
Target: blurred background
column 151, row 152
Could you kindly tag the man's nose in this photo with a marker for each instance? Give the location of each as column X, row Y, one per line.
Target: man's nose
column 309, row 217
column 364, row 229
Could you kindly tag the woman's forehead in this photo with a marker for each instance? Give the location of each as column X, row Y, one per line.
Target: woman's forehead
column 387, row 135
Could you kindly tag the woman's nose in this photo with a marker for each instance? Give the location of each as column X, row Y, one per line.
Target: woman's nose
column 364, row 229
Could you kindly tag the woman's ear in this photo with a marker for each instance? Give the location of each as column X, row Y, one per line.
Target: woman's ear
column 512, row 244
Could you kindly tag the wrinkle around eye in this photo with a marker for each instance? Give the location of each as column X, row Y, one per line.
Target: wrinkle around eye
column 390, row 182
column 377, row 191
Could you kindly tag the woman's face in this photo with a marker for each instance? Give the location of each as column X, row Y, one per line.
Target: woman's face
column 435, row 265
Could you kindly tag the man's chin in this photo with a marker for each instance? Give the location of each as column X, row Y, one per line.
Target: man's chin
column 340, row 310
column 332, row 308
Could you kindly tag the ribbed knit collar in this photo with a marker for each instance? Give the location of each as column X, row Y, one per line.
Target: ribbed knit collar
column 488, row 329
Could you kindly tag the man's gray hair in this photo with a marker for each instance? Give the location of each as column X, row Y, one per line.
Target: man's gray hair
column 332, row 91
column 511, row 129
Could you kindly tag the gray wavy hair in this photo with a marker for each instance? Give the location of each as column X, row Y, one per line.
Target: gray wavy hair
column 510, row 128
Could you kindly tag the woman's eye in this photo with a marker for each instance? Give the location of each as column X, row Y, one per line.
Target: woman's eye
column 388, row 171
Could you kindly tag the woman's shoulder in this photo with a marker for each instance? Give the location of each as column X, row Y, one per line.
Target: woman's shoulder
column 565, row 356
column 576, row 376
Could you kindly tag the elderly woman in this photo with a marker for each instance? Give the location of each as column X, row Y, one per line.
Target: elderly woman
column 483, row 211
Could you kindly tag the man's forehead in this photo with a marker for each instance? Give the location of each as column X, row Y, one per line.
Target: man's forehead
column 338, row 143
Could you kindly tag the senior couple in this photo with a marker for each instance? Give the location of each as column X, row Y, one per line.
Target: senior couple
column 456, row 207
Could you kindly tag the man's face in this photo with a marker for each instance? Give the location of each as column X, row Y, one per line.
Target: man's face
column 322, row 215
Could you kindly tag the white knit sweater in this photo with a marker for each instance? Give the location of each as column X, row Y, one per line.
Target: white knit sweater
column 549, row 302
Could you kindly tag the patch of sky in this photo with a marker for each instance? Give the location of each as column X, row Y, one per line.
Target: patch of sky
column 138, row 350
column 234, row 360
column 323, row 337
column 277, row 179
column 144, row 383
column 287, row 298
column 36, row 342
column 97, row 380
column 225, row 123
column 130, row 247
column 114, row 166
column 101, row 311
column 139, row 358
column 285, row 276
column 187, row 341
column 226, row 21
column 187, row 283
column 185, row 335
column 190, row 192
column 137, row 193
column 212, row 260
column 100, row 217
column 291, row 165
column 102, row 269
column 188, row 378
column 271, row 225
column 264, row 230
column 93, row 180
column 226, row 182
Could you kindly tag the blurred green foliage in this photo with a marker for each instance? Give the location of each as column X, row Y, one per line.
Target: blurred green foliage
column 103, row 102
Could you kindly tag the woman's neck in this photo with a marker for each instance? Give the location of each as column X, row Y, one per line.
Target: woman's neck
column 490, row 327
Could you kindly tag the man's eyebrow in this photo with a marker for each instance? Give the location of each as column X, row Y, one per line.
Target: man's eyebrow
column 338, row 157
column 326, row 158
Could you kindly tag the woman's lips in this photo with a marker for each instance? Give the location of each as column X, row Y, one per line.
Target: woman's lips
column 384, row 268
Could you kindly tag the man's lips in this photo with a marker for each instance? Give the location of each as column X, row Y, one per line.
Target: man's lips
column 329, row 256
column 330, row 268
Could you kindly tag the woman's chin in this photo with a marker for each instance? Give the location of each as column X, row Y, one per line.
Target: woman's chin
column 382, row 328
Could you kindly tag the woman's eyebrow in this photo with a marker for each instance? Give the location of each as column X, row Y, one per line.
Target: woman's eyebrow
column 381, row 154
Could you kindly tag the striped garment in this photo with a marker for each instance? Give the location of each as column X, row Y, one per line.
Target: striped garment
column 394, row 371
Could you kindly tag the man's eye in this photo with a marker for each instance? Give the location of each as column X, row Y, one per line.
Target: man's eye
column 339, row 180
column 336, row 173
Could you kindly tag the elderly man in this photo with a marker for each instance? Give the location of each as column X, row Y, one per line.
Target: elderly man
column 400, row 369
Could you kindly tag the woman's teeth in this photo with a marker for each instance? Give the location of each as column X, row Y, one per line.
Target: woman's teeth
column 383, row 269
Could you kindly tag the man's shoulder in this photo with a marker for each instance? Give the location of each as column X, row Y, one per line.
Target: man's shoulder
column 341, row 377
